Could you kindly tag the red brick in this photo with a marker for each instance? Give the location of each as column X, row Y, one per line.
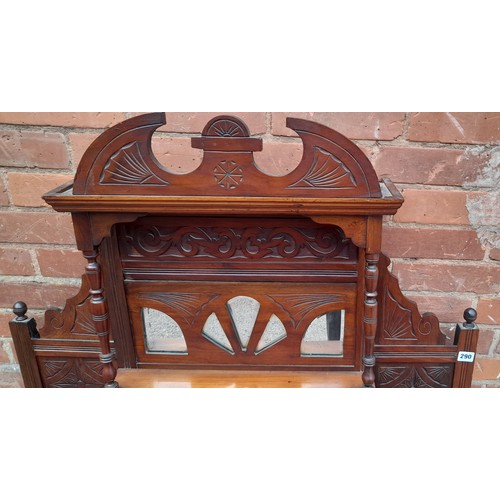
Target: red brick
column 495, row 254
column 79, row 142
column 4, row 198
column 433, row 207
column 442, row 277
column 448, row 308
column 486, row 368
column 194, row 123
column 32, row 149
column 435, row 166
column 4, row 346
column 4, row 323
column 15, row 262
column 373, row 126
column 278, row 158
column 36, row 227
column 462, row 128
column 410, row 242
column 486, row 339
column 60, row 263
column 488, row 311
column 27, row 189
column 66, row 119
column 36, row 295
column 176, row 153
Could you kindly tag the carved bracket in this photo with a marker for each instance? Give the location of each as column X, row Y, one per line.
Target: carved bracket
column 399, row 321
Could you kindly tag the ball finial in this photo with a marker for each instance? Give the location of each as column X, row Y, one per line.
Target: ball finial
column 20, row 309
column 470, row 315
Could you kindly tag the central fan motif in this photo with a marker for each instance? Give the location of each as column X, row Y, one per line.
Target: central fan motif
column 243, row 314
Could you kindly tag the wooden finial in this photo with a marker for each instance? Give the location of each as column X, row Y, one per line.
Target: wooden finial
column 470, row 315
column 20, row 309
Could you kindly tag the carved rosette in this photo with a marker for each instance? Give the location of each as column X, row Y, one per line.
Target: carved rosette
column 228, row 174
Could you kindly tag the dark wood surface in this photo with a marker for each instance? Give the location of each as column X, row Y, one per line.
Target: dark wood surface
column 302, row 245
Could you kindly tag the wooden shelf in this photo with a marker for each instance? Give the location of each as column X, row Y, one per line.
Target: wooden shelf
column 152, row 378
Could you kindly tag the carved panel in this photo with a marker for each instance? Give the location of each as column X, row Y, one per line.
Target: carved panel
column 414, row 376
column 250, row 242
column 71, row 372
column 326, row 172
column 127, row 166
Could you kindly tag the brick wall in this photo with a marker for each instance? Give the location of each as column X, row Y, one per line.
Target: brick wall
column 444, row 242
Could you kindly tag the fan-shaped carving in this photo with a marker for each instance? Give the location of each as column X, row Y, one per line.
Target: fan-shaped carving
column 297, row 306
column 397, row 319
column 84, row 324
column 326, row 171
column 226, row 128
column 189, row 305
column 127, row 166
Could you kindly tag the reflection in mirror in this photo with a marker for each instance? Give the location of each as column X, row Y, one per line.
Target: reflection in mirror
column 325, row 336
column 243, row 312
column 161, row 333
column 275, row 332
column 213, row 331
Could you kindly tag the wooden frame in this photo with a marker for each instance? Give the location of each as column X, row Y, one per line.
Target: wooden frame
column 301, row 246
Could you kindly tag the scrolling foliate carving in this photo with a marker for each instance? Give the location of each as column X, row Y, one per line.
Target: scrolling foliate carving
column 189, row 305
column 414, row 376
column 326, row 172
column 244, row 243
column 127, row 166
column 71, row 372
column 297, row 306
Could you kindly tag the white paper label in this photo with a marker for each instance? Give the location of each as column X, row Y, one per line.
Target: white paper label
column 467, row 357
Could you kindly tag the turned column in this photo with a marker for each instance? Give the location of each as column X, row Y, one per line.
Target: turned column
column 370, row 302
column 370, row 317
column 100, row 316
